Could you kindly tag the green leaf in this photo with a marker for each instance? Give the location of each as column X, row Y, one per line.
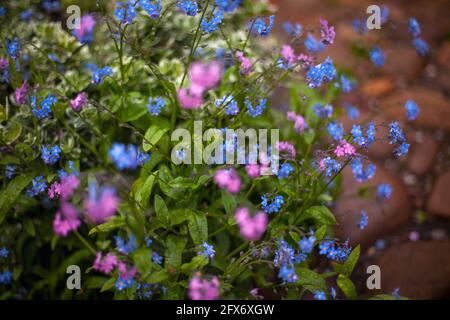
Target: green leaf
column 347, row 267
column 162, row 213
column 29, row 227
column 195, row 264
column 12, row 132
column 157, row 277
column 229, row 202
column 12, row 191
column 347, row 286
column 174, row 251
column 198, row 227
column 142, row 191
column 3, row 115
column 152, row 136
column 112, row 224
column 108, row 285
column 320, row 214
column 321, row 233
column 310, row 279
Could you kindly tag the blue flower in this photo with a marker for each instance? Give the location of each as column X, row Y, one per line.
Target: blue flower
column 125, row 12
column 275, row 206
column 213, row 24
column 148, row 241
column 352, row 112
column 5, row 277
column 38, row 185
column 377, row 56
column 333, row 293
column 155, row 105
column 371, row 132
column 364, row 220
column 285, row 170
column 126, row 247
column 330, row 166
column 287, row 274
column 190, row 7
column 300, row 257
column 324, row 72
column 260, row 27
column 208, row 250
column 10, row 170
column 320, row 295
column 13, row 47
column 99, row 74
column 258, row 109
column 384, row 191
column 346, row 84
column 157, row 259
column 50, row 155
column 357, row 134
column 51, row 5
column 284, row 254
column 402, row 149
column 293, row 29
column 4, row 252
column 231, row 107
column 127, row 156
column 395, row 133
column 2, row 11
column 412, row 110
column 333, row 251
column 313, row 45
column 306, row 244
column 336, row 130
column 414, row 27
column 228, row 6
column 46, row 105
column 360, row 26
column 153, row 10
column 421, row 46
column 323, row 112
column 360, row 173
column 122, row 283
column 384, row 14
column 26, row 15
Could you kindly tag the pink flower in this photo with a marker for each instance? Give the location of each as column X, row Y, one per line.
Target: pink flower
column 54, row 191
column 4, row 63
column 202, row 289
column 252, row 228
column 100, row 208
column 21, row 93
column 305, row 60
column 105, row 264
column 299, row 122
column 228, row 180
column 344, row 149
column 327, row 33
column 188, row 100
column 284, row 146
column 66, row 220
column 246, row 65
column 253, row 170
column 68, row 185
column 84, row 32
column 288, row 54
column 124, row 272
column 78, row 102
column 205, row 75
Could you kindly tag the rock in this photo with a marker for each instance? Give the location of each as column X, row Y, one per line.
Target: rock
column 384, row 217
column 421, row 270
column 377, row 87
column 439, row 202
column 443, row 56
column 434, row 107
column 403, row 63
column 423, row 153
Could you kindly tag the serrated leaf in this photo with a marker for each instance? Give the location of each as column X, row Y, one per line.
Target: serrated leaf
column 152, row 136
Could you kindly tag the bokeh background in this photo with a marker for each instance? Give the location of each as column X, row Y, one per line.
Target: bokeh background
column 409, row 235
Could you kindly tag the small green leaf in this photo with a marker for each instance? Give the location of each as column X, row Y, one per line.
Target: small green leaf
column 198, row 227
column 347, row 286
column 144, row 190
column 310, row 279
column 162, row 213
column 12, row 132
column 321, row 214
column 108, row 285
column 229, row 202
column 347, row 267
column 174, row 251
column 152, row 136
column 157, row 277
column 195, row 264
column 112, row 224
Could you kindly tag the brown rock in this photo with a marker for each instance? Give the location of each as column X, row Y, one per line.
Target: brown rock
column 434, row 107
column 423, row 154
column 377, row 87
column 421, row 270
column 383, row 217
column 403, row 63
column 439, row 201
column 443, row 56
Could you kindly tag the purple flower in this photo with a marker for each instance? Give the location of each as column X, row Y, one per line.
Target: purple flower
column 21, row 93
column 84, row 32
column 327, row 32
column 78, row 102
column 100, row 206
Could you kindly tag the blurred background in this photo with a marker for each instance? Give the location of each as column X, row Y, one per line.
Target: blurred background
column 409, row 235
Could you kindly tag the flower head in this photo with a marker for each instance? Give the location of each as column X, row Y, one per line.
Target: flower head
column 78, row 102
column 228, row 180
column 256, row 111
column 66, row 220
column 377, row 56
column 208, row 250
column 46, row 105
column 228, row 6
column 246, row 65
column 275, row 206
column 364, row 220
column 13, row 48
column 21, row 93
column 50, row 155
column 384, row 191
column 313, row 45
column 251, row 228
column 125, row 12
column 105, row 264
column 203, row 289
column 323, row 72
column 153, row 10
column 84, row 32
column 421, row 46
column 155, row 105
column 213, row 23
column 100, row 206
column 327, row 32
column 101, row 73
column 412, row 110
column 259, row 26
column 190, row 7
column 414, row 27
